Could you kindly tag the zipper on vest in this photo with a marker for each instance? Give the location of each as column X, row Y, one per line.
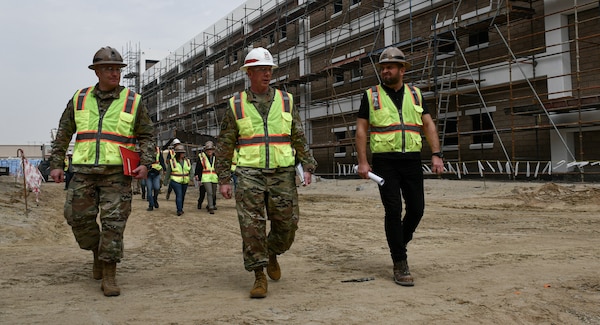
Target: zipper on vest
column 402, row 127
column 266, row 137
column 98, row 135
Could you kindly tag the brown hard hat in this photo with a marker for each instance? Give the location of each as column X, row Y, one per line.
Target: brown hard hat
column 107, row 55
column 393, row 55
column 179, row 148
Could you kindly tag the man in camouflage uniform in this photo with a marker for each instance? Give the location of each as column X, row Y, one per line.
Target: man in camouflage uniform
column 104, row 117
column 265, row 167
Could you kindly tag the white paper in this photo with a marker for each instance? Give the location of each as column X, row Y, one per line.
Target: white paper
column 380, row 181
column 300, row 173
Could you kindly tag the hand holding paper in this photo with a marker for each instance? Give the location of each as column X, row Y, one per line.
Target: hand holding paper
column 380, row 181
column 300, row 173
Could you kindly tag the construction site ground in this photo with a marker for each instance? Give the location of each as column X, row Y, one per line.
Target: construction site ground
column 486, row 252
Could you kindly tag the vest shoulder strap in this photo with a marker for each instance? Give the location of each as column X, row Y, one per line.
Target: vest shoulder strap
column 238, row 106
column 375, row 96
column 415, row 95
column 286, row 101
column 129, row 102
column 81, row 97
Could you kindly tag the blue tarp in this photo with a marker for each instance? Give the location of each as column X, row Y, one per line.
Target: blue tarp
column 14, row 164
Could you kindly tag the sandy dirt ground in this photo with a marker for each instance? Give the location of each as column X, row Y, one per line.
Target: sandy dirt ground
column 485, row 253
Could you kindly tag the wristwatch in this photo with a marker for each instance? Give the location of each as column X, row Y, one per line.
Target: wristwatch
column 438, row 154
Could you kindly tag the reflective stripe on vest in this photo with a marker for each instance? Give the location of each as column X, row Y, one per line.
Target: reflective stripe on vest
column 99, row 137
column 393, row 130
column 260, row 145
column 180, row 174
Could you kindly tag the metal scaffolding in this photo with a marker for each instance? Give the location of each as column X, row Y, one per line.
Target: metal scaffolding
column 504, row 80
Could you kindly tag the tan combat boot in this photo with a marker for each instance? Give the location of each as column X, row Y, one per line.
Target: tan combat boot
column 260, row 284
column 402, row 274
column 97, row 268
column 109, row 283
column 273, row 269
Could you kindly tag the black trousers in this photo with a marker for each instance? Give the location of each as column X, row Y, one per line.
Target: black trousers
column 403, row 181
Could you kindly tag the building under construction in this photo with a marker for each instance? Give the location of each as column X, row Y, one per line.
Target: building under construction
column 512, row 85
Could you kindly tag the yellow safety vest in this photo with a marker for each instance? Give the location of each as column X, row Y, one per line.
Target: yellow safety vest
column 156, row 165
column 180, row 173
column 391, row 131
column 260, row 145
column 234, row 160
column 99, row 138
column 209, row 175
column 66, row 168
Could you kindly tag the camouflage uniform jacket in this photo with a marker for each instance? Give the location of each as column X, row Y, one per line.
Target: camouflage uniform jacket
column 229, row 134
column 143, row 131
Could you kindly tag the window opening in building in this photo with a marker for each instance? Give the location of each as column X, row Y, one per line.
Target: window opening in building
column 338, row 6
column 446, row 46
column 356, row 73
column 482, row 122
column 272, row 38
column 479, row 37
column 340, row 135
column 451, row 127
column 338, row 78
column 283, row 33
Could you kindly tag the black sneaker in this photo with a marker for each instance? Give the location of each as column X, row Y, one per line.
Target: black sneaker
column 150, row 209
column 156, row 204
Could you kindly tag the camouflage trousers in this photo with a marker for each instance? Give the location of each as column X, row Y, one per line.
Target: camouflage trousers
column 109, row 195
column 260, row 196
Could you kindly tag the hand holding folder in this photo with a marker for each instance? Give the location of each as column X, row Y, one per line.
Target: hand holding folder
column 131, row 160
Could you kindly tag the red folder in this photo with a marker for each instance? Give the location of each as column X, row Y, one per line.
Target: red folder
column 131, row 160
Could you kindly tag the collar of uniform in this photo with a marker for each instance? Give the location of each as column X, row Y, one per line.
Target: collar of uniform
column 252, row 96
column 107, row 94
column 392, row 90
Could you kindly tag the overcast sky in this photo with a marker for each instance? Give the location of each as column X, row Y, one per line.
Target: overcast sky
column 46, row 46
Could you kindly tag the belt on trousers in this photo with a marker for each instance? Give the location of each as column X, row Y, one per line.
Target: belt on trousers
column 272, row 170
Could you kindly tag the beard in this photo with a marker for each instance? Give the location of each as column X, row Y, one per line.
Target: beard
column 391, row 79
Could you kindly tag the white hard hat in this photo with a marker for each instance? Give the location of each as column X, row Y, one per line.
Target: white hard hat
column 258, row 56
column 175, row 141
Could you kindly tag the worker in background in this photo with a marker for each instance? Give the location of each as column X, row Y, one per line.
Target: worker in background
column 170, row 155
column 205, row 172
column 153, row 182
column 395, row 114
column 198, row 178
column 179, row 174
column 265, row 167
column 103, row 117
column 68, row 168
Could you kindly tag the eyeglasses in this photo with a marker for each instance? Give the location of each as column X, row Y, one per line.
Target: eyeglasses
column 262, row 69
column 111, row 69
